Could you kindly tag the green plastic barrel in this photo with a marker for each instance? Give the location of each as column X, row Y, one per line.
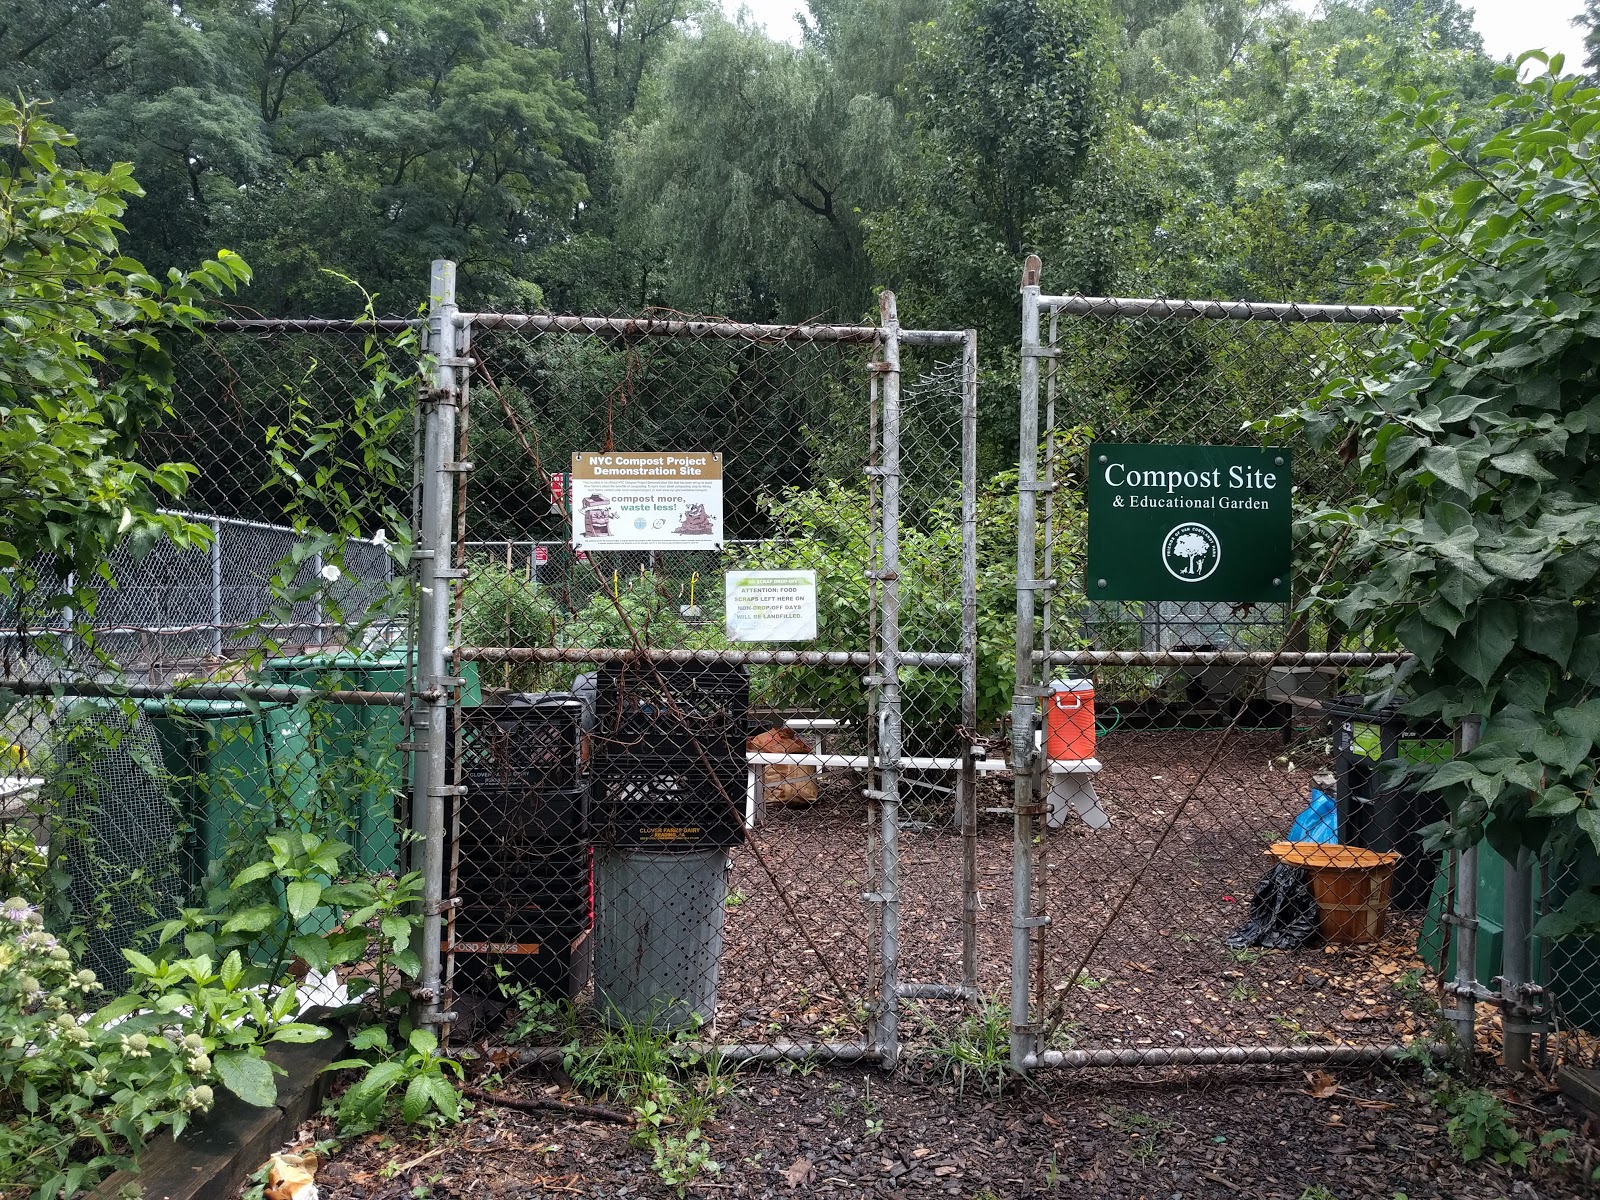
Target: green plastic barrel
column 355, row 743
column 238, row 769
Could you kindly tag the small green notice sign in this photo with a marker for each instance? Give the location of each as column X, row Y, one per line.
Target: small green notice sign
column 1189, row 523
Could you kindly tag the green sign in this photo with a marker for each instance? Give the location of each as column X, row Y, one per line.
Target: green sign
column 1189, row 523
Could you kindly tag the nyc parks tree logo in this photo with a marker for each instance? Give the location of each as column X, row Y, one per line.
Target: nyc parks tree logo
column 1191, row 552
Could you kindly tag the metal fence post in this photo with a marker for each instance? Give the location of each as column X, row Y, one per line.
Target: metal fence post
column 968, row 783
column 888, row 671
column 434, row 540
column 1465, row 922
column 1516, row 962
column 216, row 588
column 1023, row 702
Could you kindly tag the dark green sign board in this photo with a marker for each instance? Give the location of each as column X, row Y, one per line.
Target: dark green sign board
column 1189, row 523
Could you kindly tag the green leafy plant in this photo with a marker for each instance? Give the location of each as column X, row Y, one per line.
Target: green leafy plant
column 1481, row 1126
column 83, row 1089
column 669, row 1086
column 82, row 370
column 1474, row 430
column 978, row 1048
column 416, row 1065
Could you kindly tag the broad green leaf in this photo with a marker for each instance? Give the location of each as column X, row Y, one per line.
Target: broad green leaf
column 1483, row 643
column 1549, row 629
column 247, row 1076
column 417, row 1099
column 303, row 895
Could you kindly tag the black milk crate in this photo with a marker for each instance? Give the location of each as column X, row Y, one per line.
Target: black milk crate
column 666, row 707
column 485, row 877
column 670, row 804
column 547, row 917
column 523, row 821
column 535, row 744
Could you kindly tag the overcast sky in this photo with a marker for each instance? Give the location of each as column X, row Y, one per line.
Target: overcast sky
column 1508, row 26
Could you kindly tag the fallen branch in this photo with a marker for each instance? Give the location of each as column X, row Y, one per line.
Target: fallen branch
column 541, row 1103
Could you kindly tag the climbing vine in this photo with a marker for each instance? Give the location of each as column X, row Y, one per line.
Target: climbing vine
column 1475, row 431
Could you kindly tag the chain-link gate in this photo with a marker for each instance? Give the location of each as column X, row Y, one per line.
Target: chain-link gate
column 685, row 823
column 1217, row 725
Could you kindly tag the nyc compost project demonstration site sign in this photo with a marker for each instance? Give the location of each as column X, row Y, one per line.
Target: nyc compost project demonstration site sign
column 771, row 606
column 658, row 501
column 1208, row 523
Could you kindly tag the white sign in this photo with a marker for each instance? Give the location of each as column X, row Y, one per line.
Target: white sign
column 771, row 606
column 660, row 501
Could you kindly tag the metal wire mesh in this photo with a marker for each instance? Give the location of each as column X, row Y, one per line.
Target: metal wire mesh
column 1205, row 756
column 157, row 727
column 735, row 869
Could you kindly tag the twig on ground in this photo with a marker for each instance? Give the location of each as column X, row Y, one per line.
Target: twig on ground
column 540, row 1103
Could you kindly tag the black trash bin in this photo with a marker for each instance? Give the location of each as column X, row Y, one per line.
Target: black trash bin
column 1386, row 818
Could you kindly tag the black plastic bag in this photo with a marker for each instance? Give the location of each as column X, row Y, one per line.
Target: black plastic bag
column 1283, row 915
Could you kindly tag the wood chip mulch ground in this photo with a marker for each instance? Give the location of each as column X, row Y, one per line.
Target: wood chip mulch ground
column 1267, row 1135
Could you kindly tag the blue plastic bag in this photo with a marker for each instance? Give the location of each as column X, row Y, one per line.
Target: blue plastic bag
column 1318, row 822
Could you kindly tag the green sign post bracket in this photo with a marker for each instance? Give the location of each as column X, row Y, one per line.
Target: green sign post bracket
column 1189, row 523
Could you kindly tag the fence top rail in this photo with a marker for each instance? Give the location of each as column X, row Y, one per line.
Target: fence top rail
column 731, row 330
column 1224, row 310
column 311, row 324
column 276, row 693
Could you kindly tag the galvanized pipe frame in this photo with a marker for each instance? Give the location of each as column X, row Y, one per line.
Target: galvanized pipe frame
column 1025, row 1054
column 434, row 683
column 1160, row 309
column 727, row 330
column 884, row 661
column 781, row 658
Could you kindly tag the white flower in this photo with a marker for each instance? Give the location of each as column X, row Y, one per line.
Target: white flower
column 331, row 572
column 381, row 538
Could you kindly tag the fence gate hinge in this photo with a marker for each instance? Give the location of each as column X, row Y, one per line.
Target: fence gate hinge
column 456, row 468
column 1030, row 922
column 449, row 789
column 1042, row 352
column 450, row 573
column 879, row 897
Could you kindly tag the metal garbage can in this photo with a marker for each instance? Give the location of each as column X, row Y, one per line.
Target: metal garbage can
column 658, row 935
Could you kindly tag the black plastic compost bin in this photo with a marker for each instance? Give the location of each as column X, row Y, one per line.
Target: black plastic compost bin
column 669, row 779
column 1386, row 818
column 518, row 843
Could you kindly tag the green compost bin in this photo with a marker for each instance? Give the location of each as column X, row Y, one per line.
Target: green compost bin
column 1569, row 967
column 355, row 745
column 225, row 759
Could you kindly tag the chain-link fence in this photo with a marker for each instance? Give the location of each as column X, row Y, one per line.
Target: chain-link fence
column 1169, row 919
column 163, row 721
column 698, row 558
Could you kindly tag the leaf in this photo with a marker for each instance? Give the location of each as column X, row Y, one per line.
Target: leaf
column 417, row 1099
column 1483, row 643
column 1323, row 1086
column 311, row 950
column 801, row 1170
column 1549, row 629
column 253, row 872
column 297, row 1033
column 423, row 1041
column 397, row 929
column 370, row 1037
column 253, row 920
column 303, row 896
column 247, row 1076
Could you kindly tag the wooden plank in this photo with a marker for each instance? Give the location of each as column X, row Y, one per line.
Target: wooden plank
column 1581, row 1087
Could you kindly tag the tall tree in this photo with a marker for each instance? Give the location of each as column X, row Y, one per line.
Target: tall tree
column 1007, row 98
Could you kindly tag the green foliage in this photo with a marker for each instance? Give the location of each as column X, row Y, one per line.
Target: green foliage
column 1475, row 427
column 1481, row 1126
column 1007, row 99
column 82, row 1090
column 671, row 1089
column 82, row 370
column 417, row 1069
column 978, row 1048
